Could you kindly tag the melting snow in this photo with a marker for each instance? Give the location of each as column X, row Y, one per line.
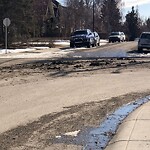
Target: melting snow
column 75, row 133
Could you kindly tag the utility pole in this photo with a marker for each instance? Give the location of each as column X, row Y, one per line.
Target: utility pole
column 93, row 16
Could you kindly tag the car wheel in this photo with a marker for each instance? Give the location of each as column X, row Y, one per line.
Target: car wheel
column 140, row 49
column 93, row 44
column 72, row 45
column 89, row 45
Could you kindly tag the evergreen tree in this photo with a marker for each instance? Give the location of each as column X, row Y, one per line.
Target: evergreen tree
column 28, row 17
column 133, row 24
column 111, row 16
column 20, row 14
column 148, row 24
column 75, row 14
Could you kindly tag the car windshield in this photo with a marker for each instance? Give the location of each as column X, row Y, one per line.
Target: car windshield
column 145, row 36
column 115, row 33
column 80, row 32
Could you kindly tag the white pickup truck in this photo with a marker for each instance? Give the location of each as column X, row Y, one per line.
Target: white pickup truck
column 117, row 37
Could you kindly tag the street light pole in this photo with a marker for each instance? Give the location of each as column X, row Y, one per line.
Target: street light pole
column 93, row 16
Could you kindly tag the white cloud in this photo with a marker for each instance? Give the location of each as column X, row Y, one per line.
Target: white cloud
column 130, row 3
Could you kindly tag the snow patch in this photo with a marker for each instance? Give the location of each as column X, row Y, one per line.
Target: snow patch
column 62, row 42
column 75, row 133
column 58, row 137
column 3, row 51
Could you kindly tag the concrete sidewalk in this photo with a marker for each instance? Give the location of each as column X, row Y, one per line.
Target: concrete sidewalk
column 134, row 132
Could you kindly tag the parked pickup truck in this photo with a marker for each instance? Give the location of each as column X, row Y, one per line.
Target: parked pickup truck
column 117, row 37
column 83, row 37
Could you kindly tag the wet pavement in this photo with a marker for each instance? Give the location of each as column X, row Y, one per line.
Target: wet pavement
column 99, row 54
column 98, row 138
column 119, row 50
column 108, row 50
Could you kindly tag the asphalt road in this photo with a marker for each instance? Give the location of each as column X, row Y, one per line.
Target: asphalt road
column 126, row 49
column 43, row 103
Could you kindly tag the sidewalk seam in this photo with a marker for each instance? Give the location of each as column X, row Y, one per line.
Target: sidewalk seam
column 136, row 119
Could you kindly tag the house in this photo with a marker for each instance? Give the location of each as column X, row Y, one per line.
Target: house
column 51, row 18
column 52, row 10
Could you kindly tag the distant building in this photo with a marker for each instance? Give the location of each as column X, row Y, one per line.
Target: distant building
column 56, row 6
column 52, row 10
column 51, row 18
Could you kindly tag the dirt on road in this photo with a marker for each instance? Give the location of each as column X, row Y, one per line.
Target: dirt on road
column 42, row 101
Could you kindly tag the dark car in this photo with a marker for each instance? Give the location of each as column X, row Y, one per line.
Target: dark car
column 83, row 37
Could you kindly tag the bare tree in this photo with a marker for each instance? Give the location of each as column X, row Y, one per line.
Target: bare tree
column 111, row 16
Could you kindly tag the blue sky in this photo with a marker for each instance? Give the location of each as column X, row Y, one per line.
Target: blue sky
column 143, row 6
